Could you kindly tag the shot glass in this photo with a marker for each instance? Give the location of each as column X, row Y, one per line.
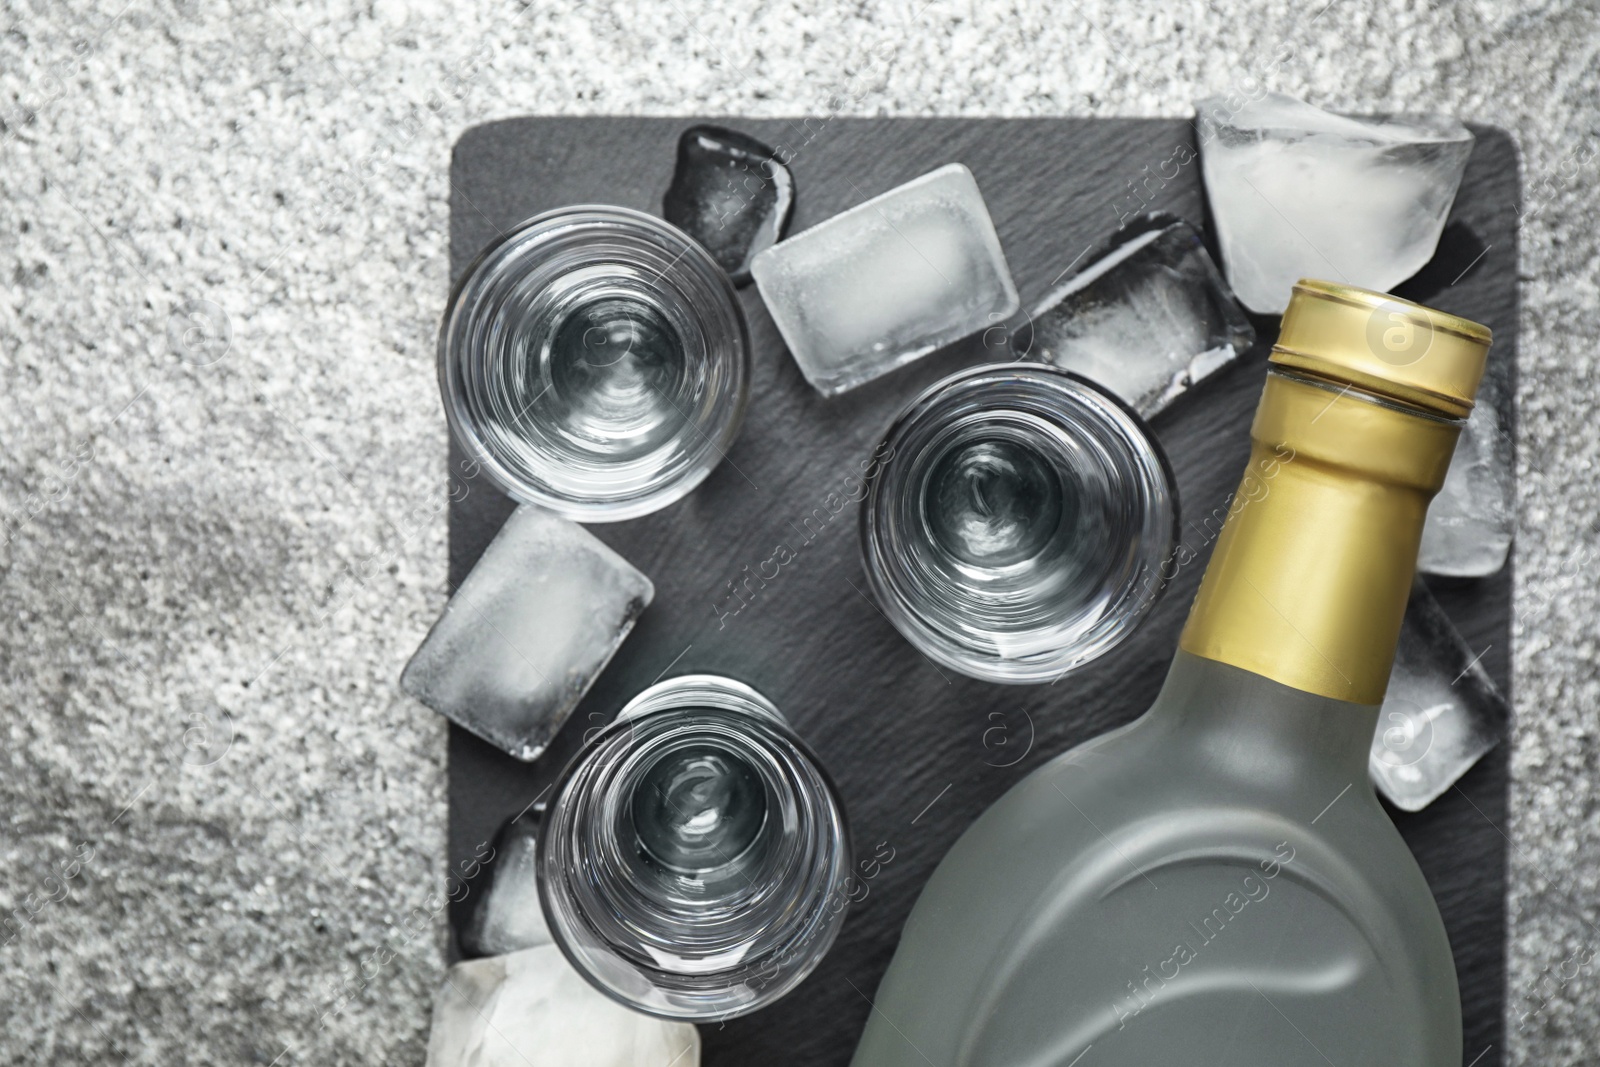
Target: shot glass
column 595, row 362
column 695, row 855
column 1023, row 525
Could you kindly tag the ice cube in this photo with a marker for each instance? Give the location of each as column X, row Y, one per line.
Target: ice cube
column 1472, row 519
column 1442, row 711
column 527, row 633
column 1298, row 192
column 1148, row 317
column 504, row 911
column 730, row 193
column 888, row 281
column 531, row 1009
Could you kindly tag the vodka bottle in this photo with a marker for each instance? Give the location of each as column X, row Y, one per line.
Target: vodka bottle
column 1216, row 882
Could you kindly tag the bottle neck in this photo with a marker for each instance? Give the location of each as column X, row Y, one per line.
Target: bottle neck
column 1294, row 736
column 1308, row 583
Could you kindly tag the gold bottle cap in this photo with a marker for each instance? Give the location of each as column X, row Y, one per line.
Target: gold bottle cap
column 1383, row 344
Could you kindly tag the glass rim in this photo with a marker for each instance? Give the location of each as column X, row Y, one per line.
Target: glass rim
column 940, row 644
column 715, row 437
column 794, row 959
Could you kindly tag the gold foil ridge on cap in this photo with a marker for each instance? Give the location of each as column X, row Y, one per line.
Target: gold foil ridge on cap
column 1384, row 344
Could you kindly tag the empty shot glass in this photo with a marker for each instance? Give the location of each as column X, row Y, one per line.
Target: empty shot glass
column 695, row 857
column 1022, row 528
column 595, row 362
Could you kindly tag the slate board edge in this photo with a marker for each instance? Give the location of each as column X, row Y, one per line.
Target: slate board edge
column 935, row 126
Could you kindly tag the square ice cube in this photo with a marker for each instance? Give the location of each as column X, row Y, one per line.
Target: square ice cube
column 504, row 913
column 890, row 280
column 731, row 193
column 1298, row 192
column 1473, row 518
column 1442, row 711
column 1149, row 317
column 528, row 632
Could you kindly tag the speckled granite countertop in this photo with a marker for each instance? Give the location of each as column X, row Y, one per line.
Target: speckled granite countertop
column 225, row 820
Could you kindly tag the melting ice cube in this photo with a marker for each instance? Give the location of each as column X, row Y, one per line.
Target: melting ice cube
column 528, row 632
column 888, row 281
column 1442, row 711
column 531, row 1009
column 1298, row 192
column 1472, row 519
column 1148, row 317
column 505, row 913
column 730, row 193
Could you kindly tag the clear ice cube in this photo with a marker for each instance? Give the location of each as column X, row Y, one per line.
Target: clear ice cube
column 890, row 280
column 729, row 192
column 505, row 914
column 1472, row 519
column 528, row 632
column 1298, row 192
column 531, row 1009
column 1148, row 317
column 1442, row 711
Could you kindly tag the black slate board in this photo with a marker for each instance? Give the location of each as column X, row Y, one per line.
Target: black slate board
column 919, row 753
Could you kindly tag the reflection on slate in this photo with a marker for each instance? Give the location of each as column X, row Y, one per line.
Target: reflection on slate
column 918, row 753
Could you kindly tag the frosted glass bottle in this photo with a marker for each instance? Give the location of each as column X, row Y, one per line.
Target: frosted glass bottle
column 1216, row 883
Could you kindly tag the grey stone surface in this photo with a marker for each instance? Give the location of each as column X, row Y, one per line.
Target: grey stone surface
column 223, row 823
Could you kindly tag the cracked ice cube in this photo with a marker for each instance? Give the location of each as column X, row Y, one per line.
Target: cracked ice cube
column 730, row 193
column 528, row 632
column 888, row 281
column 1473, row 518
column 1442, row 711
column 531, row 1009
column 1298, row 192
column 1149, row 317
